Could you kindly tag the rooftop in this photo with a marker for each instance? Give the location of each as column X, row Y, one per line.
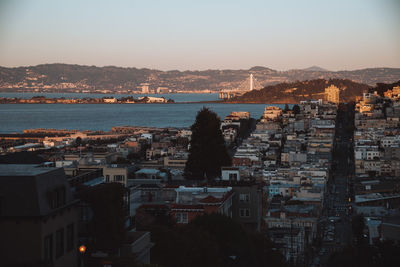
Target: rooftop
column 148, row 171
column 204, row 189
column 23, row 169
column 374, row 197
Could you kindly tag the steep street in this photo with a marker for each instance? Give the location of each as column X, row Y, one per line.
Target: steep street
column 336, row 223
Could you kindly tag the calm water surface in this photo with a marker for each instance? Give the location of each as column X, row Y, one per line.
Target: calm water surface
column 175, row 97
column 17, row 117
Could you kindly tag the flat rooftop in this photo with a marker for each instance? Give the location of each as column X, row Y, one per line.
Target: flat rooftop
column 23, row 169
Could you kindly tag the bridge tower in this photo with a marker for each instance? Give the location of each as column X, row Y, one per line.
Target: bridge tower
column 247, row 85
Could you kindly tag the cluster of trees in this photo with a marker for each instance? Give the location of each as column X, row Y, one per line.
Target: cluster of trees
column 212, row 240
column 363, row 255
column 383, row 87
column 208, row 240
column 106, row 227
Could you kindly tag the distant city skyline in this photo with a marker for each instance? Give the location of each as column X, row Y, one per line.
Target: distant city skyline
column 200, row 35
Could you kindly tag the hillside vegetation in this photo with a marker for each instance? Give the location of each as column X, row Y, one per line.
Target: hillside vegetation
column 297, row 91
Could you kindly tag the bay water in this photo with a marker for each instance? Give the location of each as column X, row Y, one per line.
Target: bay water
column 14, row 118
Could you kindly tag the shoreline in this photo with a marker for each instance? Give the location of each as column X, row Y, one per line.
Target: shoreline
column 152, row 103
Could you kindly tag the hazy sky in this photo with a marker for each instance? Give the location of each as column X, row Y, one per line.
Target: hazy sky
column 202, row 34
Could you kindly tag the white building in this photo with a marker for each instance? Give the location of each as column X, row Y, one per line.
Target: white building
column 110, row 100
column 230, row 174
column 272, row 113
column 152, row 99
column 145, row 88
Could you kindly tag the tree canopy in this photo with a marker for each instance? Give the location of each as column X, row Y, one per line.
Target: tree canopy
column 212, row 240
column 380, row 254
column 107, row 226
column 207, row 151
column 296, row 109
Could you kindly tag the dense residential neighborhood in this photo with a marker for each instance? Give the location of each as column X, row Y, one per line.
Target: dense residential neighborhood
column 377, row 164
column 200, row 133
column 301, row 177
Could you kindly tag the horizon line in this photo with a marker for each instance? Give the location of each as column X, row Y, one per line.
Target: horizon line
column 193, row 70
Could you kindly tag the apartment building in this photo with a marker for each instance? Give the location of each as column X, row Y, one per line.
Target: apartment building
column 39, row 217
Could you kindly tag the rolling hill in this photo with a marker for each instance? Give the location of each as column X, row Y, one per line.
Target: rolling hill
column 64, row 77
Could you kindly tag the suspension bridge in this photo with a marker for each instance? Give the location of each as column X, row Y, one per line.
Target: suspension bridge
column 247, row 85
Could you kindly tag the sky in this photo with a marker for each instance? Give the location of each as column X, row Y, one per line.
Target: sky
column 199, row 35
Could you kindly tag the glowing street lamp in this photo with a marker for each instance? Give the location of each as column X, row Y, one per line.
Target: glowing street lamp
column 82, row 249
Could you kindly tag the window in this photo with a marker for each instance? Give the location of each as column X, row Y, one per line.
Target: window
column 119, row 178
column 182, row 217
column 60, row 195
column 51, row 195
column 57, row 197
column 48, row 247
column 233, row 177
column 244, row 198
column 60, row 242
column 107, row 178
column 70, row 237
column 244, row 212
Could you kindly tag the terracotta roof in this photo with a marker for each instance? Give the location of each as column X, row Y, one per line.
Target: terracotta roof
column 186, row 207
column 171, row 186
column 210, row 200
column 153, row 206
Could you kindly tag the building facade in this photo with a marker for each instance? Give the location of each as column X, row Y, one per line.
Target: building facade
column 39, row 217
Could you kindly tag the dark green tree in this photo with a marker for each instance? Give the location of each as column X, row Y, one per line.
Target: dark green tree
column 78, row 141
column 365, row 255
column 121, row 160
column 207, row 151
column 286, row 109
column 212, row 240
column 296, row 109
column 133, row 156
column 107, row 227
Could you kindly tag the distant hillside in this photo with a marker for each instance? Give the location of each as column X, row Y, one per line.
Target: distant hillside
column 315, row 68
column 298, row 91
column 66, row 77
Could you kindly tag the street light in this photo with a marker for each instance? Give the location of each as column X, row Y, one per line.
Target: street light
column 82, row 250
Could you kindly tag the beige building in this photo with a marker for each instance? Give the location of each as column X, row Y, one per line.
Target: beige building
column 332, row 94
column 39, row 217
column 117, row 174
column 145, row 88
column 174, row 162
column 110, row 100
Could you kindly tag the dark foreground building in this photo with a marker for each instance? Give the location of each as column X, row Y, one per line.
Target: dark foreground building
column 38, row 217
